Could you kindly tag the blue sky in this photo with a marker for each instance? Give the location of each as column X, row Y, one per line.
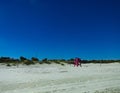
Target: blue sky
column 89, row 29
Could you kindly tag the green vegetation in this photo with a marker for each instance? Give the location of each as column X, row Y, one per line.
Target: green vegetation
column 22, row 60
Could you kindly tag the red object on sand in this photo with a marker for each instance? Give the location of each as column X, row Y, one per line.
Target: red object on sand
column 77, row 62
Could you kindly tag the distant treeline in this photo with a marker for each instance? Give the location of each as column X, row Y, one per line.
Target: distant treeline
column 22, row 60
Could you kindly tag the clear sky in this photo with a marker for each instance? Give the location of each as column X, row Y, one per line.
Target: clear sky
column 89, row 29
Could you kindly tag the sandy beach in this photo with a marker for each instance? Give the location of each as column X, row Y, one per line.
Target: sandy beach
column 54, row 78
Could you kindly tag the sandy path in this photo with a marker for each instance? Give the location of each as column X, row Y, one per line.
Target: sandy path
column 91, row 78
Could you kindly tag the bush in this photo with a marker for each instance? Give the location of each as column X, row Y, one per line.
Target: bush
column 14, row 64
column 44, row 60
column 70, row 62
column 22, row 58
column 34, row 59
column 40, row 62
column 57, row 62
column 47, row 62
column 62, row 64
column 28, row 62
column 8, row 65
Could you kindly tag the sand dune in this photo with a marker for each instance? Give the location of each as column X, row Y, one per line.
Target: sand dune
column 90, row 78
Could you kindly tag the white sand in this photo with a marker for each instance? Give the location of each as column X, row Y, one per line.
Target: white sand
column 90, row 78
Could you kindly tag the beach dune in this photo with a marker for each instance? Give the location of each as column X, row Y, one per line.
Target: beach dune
column 54, row 78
